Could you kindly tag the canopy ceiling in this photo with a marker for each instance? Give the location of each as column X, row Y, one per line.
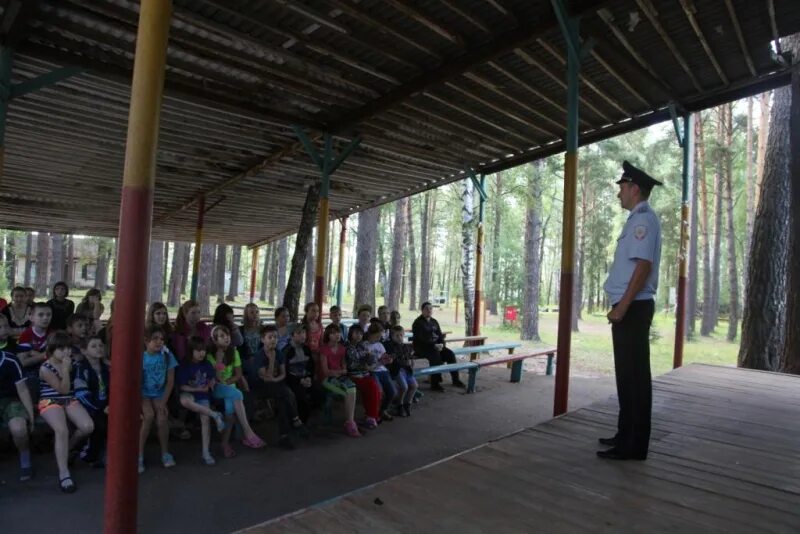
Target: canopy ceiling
column 431, row 85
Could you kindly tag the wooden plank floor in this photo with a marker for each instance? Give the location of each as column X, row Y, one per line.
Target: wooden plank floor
column 724, row 457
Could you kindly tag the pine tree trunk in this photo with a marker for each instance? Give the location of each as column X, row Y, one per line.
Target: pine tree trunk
column 399, row 238
column 283, row 259
column 791, row 353
column 11, row 260
column 179, row 253
column 691, row 301
column 266, row 271
column 42, row 263
column 716, row 258
column 763, row 327
column 155, row 275
column 533, row 247
column 707, row 324
column 101, row 273
column 218, row 283
column 733, row 274
column 424, row 247
column 577, row 288
column 205, row 278
column 750, row 189
column 273, row 273
column 494, row 276
column 187, row 262
column 366, row 258
column 383, row 278
column 165, row 272
column 468, row 254
column 57, row 263
column 236, row 262
column 294, row 286
column 412, row 260
column 71, row 261
column 28, row 259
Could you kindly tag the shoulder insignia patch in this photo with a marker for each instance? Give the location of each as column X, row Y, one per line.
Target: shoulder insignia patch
column 640, row 232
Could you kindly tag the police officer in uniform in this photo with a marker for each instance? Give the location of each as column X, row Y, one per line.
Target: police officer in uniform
column 631, row 287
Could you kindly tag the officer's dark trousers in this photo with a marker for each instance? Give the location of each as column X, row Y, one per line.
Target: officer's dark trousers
column 631, row 339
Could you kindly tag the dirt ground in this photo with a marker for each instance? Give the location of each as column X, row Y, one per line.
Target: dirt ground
column 258, row 485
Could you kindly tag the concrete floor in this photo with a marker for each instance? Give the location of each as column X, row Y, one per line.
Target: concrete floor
column 259, row 485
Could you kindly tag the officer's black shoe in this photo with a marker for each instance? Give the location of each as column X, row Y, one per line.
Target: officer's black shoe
column 617, row 454
column 608, row 441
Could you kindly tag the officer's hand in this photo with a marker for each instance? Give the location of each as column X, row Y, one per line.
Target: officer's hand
column 616, row 314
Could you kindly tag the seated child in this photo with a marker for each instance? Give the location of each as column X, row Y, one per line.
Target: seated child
column 380, row 372
column 300, row 373
column 336, row 319
column 57, row 404
column 16, row 406
column 91, row 378
column 196, row 380
column 402, row 369
column 360, row 365
column 32, row 345
column 271, row 370
column 228, row 365
column 77, row 328
column 158, row 378
column 334, row 373
column 384, row 317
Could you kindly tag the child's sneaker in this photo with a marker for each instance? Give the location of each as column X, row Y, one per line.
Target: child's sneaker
column 208, row 459
column 351, row 429
column 371, row 423
column 141, row 465
column 219, row 421
column 407, row 409
column 167, row 460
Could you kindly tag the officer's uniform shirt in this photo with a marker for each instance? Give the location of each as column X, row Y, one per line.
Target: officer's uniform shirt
column 640, row 239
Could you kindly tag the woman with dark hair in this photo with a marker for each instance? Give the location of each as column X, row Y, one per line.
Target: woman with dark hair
column 187, row 325
column 91, row 306
column 223, row 316
column 429, row 343
column 17, row 312
column 61, row 306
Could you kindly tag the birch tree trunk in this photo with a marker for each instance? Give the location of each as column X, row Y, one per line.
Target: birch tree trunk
column 179, row 253
column 468, row 254
column 205, row 278
column 383, row 279
column 716, row 258
column 187, row 261
column 707, row 324
column 691, row 307
column 236, row 262
column 266, row 272
column 42, row 262
column 283, row 259
column 155, row 276
column 71, row 261
column 57, row 263
column 424, row 247
column 764, row 324
column 294, row 286
column 28, row 259
column 533, row 248
column 733, row 274
column 366, row 258
column 101, row 274
column 219, row 273
column 399, row 238
column 412, row 260
column 494, row 275
column 11, row 260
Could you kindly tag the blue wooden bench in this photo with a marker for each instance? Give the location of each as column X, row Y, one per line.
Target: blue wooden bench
column 476, row 349
column 446, row 368
column 515, row 360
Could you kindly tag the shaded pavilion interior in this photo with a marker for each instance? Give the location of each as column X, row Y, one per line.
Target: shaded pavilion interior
column 432, row 87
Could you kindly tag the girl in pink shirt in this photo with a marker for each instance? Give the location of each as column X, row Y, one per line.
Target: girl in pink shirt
column 334, row 375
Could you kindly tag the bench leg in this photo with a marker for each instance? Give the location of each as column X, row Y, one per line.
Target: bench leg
column 516, row 371
column 473, row 374
column 549, row 370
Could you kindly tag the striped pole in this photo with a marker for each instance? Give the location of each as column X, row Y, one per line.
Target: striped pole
column 340, row 273
column 687, row 143
column 135, row 221
column 570, row 29
column 198, row 244
column 254, row 264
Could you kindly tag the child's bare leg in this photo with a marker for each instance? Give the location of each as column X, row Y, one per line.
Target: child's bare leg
column 148, row 414
column 412, row 388
column 190, row 404
column 162, row 421
column 55, row 417
column 84, row 425
column 205, row 428
column 226, row 434
column 350, row 404
column 241, row 415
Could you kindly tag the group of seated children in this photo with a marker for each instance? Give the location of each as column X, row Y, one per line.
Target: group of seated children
column 215, row 371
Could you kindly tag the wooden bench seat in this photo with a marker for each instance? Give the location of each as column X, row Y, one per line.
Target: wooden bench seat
column 516, row 361
column 446, row 368
column 477, row 349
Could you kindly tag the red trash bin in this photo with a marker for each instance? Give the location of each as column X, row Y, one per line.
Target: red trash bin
column 510, row 313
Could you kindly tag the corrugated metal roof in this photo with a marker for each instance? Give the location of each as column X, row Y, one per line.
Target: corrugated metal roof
column 413, row 78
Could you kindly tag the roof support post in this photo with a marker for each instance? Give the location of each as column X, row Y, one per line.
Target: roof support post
column 687, row 144
column 198, row 243
column 328, row 163
column 340, row 273
column 569, row 28
column 135, row 222
column 253, row 265
column 476, row 315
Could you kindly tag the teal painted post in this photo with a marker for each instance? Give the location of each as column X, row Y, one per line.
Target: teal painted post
column 473, row 375
column 549, row 371
column 516, row 371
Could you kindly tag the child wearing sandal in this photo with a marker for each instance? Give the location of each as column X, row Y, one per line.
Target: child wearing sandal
column 359, row 369
column 196, row 380
column 228, row 365
column 57, row 404
column 402, row 369
column 380, row 372
column 334, row 375
column 158, row 378
column 91, row 378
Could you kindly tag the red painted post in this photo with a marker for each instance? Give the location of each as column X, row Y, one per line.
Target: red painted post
column 136, row 217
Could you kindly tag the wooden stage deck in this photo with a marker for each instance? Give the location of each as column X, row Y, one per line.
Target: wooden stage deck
column 725, row 457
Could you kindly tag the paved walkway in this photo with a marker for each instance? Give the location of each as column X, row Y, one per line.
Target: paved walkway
column 259, row 485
